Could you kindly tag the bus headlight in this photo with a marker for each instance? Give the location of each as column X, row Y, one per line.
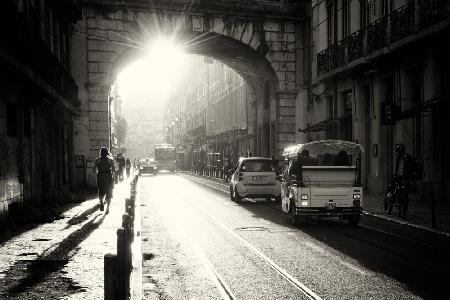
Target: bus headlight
column 304, row 203
column 304, row 197
column 357, row 202
column 356, row 196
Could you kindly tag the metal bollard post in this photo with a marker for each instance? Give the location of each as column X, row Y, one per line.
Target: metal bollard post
column 126, row 223
column 110, row 276
column 121, row 265
column 433, row 206
column 127, row 206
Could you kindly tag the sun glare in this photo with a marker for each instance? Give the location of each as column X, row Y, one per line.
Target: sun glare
column 153, row 77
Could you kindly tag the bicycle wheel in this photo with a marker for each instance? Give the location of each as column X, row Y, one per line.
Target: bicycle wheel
column 388, row 202
column 402, row 208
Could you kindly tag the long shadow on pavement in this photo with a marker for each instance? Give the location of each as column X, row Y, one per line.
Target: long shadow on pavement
column 43, row 277
column 423, row 270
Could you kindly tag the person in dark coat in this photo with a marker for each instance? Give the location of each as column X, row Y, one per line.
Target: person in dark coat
column 128, row 167
column 104, row 166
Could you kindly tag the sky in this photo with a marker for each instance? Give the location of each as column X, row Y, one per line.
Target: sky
column 151, row 79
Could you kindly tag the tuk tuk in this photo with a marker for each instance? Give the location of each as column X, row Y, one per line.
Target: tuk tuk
column 323, row 179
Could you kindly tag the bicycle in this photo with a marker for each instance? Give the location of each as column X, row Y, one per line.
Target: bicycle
column 395, row 195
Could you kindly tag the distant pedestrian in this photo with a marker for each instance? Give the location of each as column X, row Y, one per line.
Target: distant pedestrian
column 104, row 166
column 128, row 167
column 406, row 171
column 121, row 165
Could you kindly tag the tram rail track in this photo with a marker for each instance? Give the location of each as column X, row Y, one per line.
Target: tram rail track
column 306, row 291
column 224, row 188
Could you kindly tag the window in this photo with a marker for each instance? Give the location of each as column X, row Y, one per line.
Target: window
column 331, row 17
column 362, row 13
column 347, row 103
column 345, row 18
column 256, row 166
column 11, row 120
column 330, row 107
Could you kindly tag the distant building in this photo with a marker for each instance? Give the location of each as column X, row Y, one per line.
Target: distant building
column 211, row 111
column 144, row 129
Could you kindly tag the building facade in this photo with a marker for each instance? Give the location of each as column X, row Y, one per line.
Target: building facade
column 379, row 78
column 38, row 101
column 213, row 111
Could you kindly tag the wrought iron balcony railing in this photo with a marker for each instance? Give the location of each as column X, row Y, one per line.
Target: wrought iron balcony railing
column 432, row 12
column 323, row 61
column 377, row 34
column 403, row 22
column 355, row 46
column 337, row 54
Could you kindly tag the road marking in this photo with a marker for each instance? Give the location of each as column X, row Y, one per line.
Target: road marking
column 296, row 283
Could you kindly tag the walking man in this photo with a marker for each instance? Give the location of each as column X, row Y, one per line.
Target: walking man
column 104, row 166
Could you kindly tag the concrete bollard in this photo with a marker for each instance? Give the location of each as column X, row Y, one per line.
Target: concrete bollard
column 121, row 265
column 110, row 276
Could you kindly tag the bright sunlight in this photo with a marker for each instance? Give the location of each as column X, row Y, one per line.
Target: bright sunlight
column 155, row 76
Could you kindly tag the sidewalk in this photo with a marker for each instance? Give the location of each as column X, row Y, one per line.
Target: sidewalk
column 63, row 259
column 419, row 213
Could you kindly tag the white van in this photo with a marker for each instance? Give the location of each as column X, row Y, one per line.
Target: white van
column 254, row 177
column 323, row 179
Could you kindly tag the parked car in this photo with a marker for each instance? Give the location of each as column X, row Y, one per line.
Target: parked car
column 254, row 177
column 148, row 166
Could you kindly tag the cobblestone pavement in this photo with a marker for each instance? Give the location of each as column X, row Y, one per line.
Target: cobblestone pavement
column 63, row 259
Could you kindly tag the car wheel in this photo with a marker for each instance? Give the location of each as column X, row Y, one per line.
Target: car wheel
column 354, row 220
column 292, row 215
column 237, row 197
column 231, row 194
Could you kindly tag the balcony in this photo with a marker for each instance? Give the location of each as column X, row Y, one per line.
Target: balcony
column 407, row 20
column 402, row 22
column 432, row 12
column 323, row 61
column 377, row 34
column 355, row 46
column 337, row 54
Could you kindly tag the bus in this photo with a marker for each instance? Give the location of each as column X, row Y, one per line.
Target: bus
column 165, row 157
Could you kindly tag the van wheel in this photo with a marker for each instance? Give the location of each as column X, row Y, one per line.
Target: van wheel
column 354, row 220
column 292, row 215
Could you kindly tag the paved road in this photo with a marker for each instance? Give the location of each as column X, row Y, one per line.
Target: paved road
column 198, row 244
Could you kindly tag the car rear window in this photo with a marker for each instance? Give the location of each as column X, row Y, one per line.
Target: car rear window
column 256, row 166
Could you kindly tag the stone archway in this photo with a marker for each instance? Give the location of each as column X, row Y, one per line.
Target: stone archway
column 261, row 50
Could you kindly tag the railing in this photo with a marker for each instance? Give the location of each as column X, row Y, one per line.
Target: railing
column 402, row 21
column 377, row 34
column 118, row 267
column 337, row 54
column 432, row 12
column 399, row 24
column 323, row 61
column 355, row 46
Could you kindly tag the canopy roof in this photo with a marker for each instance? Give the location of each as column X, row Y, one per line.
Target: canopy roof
column 317, row 148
